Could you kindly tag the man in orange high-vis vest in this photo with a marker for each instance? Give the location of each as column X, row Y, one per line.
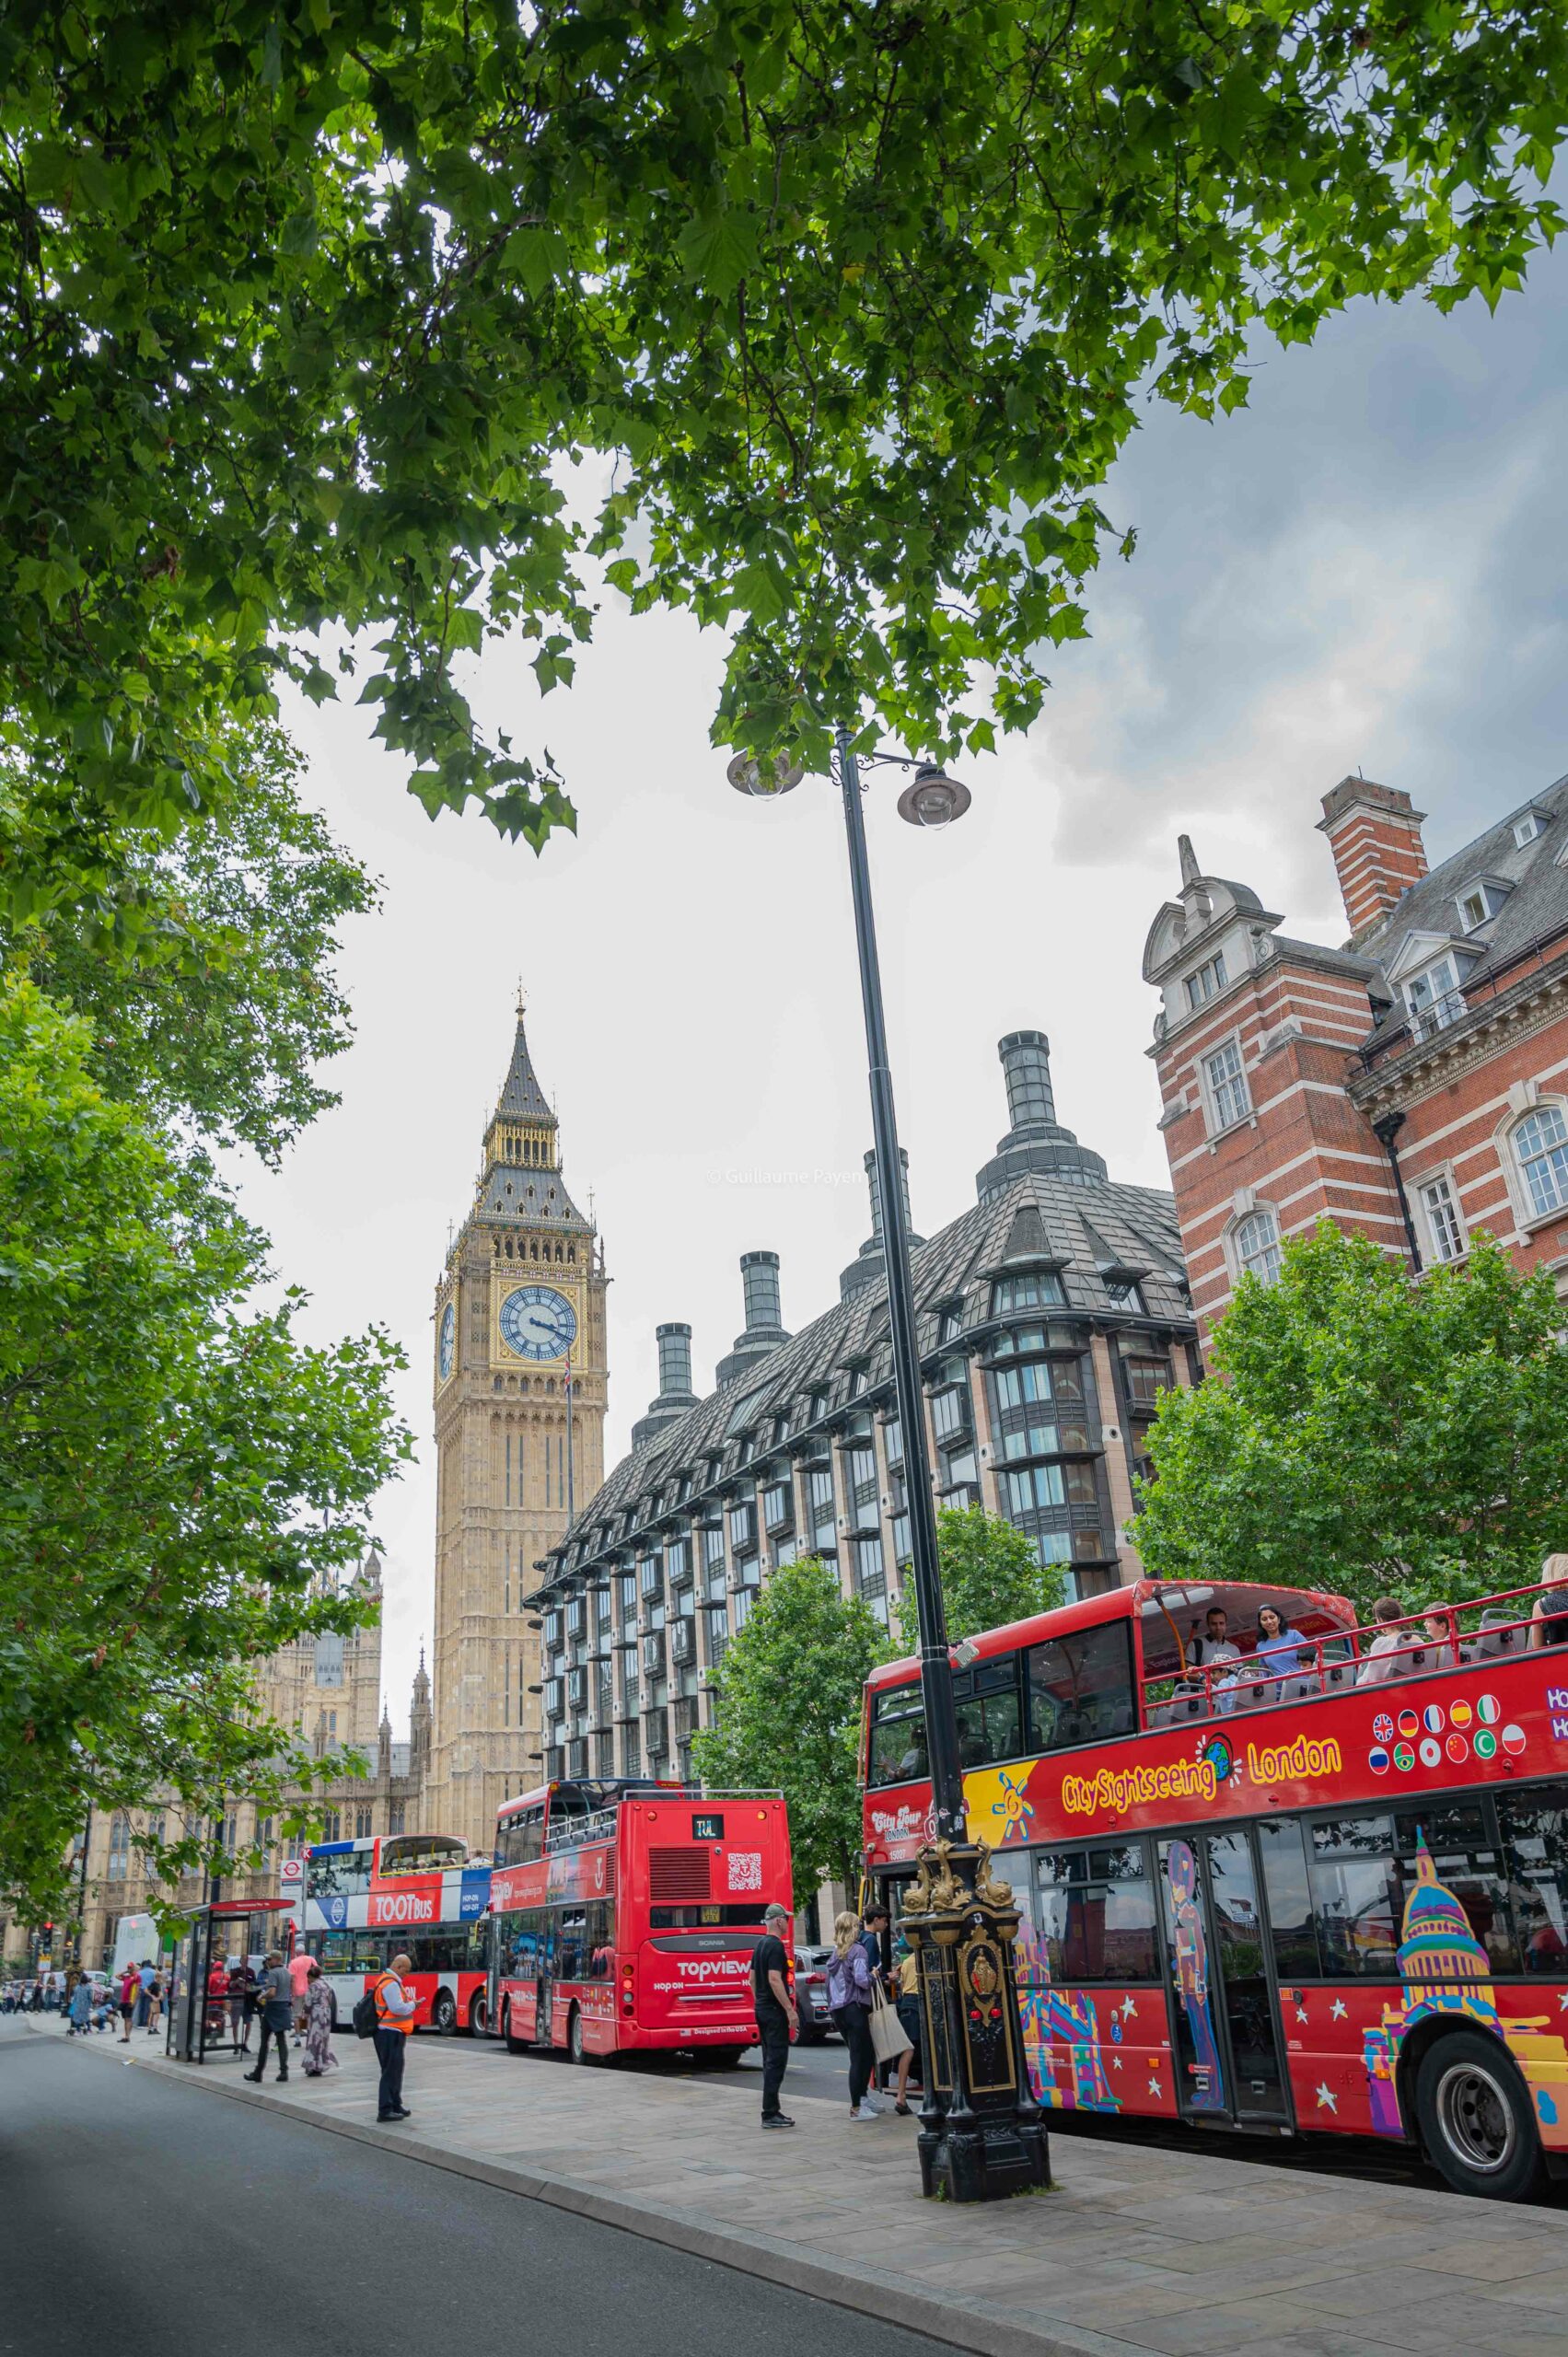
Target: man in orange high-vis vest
column 394, row 2018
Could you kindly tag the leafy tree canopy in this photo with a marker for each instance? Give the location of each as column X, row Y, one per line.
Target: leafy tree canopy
column 181, row 1480
column 205, row 964
column 1368, row 1435
column 789, row 1714
column 307, row 311
column 990, row 1574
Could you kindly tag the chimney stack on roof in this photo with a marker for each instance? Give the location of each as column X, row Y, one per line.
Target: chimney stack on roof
column 869, row 1267
column 764, row 1327
column 674, row 1392
column 1374, row 834
column 1036, row 1140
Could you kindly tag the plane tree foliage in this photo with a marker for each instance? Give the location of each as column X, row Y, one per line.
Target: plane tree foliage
column 1366, row 1434
column 310, row 310
column 991, row 1575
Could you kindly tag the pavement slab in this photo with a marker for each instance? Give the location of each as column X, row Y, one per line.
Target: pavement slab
column 1136, row 2248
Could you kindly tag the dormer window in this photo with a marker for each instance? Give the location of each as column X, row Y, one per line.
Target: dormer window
column 1207, row 982
column 1480, row 905
column 1434, row 998
column 1526, row 829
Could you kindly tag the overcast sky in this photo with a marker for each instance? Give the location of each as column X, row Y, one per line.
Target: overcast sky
column 1362, row 568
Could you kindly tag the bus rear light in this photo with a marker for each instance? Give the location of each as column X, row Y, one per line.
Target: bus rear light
column 627, row 1999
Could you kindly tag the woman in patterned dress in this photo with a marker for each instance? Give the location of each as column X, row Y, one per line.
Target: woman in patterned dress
column 319, row 2055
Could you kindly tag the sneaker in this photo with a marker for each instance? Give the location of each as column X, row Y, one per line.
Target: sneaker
column 855, row 2118
column 869, row 2105
column 777, row 2120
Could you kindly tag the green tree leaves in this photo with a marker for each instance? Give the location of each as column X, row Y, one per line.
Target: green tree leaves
column 788, row 1715
column 302, row 308
column 991, row 1575
column 1365, row 1434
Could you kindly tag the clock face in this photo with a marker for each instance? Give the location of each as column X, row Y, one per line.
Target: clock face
column 443, row 1348
column 537, row 1322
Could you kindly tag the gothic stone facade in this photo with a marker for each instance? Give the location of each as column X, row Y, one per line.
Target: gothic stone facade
column 519, row 1398
column 1049, row 1316
column 1412, row 1085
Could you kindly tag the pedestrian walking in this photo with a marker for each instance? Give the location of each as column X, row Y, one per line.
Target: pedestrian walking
column 849, row 2002
column 394, row 2023
column 81, row 2015
column 277, row 2012
column 154, row 1987
column 317, row 2012
column 129, row 1983
column 301, row 1966
column 777, row 2020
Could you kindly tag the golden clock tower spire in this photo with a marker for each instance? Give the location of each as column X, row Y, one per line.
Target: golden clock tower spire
column 520, row 1380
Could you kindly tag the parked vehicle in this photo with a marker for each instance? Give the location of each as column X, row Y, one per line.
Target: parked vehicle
column 811, row 1994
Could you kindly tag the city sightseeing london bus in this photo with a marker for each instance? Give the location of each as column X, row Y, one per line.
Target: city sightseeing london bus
column 412, row 1894
column 1303, row 1888
column 625, row 1914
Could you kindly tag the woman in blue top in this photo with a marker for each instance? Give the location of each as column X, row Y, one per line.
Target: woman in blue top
column 1279, row 1648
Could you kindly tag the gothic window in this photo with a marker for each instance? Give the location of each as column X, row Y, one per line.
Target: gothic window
column 395, row 1817
column 332, row 1826
column 1225, row 1084
column 119, row 1846
column 1540, row 1149
column 1255, row 1241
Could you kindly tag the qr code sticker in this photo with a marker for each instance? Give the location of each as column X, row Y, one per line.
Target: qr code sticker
column 746, row 1870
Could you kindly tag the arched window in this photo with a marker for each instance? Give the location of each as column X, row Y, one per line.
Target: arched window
column 1255, row 1241
column 1540, row 1149
column 119, row 1846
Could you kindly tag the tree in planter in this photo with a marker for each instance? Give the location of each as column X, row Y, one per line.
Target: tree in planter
column 990, row 1574
column 788, row 1713
column 1367, row 1434
column 305, row 312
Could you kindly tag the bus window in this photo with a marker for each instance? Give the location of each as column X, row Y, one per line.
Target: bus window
column 571, row 1960
column 598, row 1942
column 522, row 1839
column 1080, row 1689
column 1535, row 1836
column 1095, row 1913
column 985, row 1701
column 338, row 1874
column 1291, row 1925
column 898, row 1737
column 1456, row 1836
column 1355, row 1894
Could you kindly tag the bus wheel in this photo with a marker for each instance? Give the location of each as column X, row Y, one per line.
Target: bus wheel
column 479, row 2015
column 1476, row 2120
column 724, row 2057
column 514, row 2045
column 444, row 2013
column 576, row 2050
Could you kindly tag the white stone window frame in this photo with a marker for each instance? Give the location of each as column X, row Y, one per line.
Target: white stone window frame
column 1249, row 1206
column 1525, row 1098
column 1440, row 1174
column 1248, row 1118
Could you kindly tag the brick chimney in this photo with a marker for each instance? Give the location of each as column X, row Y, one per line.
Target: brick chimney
column 1375, row 835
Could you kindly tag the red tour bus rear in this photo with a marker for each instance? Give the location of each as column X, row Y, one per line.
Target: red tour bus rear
column 625, row 1914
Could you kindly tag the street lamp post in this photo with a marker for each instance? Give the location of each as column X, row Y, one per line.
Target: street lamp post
column 982, row 2134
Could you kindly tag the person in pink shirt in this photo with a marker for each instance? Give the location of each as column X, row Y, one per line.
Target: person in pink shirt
column 299, row 1969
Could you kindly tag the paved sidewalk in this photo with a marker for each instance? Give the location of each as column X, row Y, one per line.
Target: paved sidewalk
column 1137, row 2248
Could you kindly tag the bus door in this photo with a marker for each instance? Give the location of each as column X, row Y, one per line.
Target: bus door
column 1224, row 2024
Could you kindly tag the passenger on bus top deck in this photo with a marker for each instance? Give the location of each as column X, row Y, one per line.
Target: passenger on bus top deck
column 1438, row 1630
column 1278, row 1647
column 1548, row 1618
column 1380, row 1660
column 914, row 1761
column 1214, row 1646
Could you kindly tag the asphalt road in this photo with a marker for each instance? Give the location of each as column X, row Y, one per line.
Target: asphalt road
column 139, row 2217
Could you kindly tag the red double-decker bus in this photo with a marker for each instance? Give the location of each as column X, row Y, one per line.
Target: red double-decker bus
column 366, row 1901
column 1296, row 1886
column 625, row 1914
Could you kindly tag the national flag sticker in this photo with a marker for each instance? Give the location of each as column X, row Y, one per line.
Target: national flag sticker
column 1485, row 1745
column 1404, row 1758
column 1377, row 1760
column 1513, row 1737
column 1431, row 1752
column 1432, row 1718
column 1489, row 1710
column 1462, row 1715
column 1382, row 1728
column 1459, row 1747
column 1409, row 1723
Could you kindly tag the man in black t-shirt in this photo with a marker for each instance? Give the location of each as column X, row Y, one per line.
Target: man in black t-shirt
column 776, row 2017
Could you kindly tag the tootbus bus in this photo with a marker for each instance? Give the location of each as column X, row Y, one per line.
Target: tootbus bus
column 1309, row 1890
column 366, row 1900
column 625, row 1914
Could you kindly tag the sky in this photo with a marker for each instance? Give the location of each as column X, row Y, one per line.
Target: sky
column 1362, row 569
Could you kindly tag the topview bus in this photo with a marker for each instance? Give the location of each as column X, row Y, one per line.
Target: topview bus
column 1292, row 1886
column 366, row 1900
column 625, row 1914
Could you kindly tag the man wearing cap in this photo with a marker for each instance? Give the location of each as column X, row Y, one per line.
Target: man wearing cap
column 395, row 2008
column 777, row 2020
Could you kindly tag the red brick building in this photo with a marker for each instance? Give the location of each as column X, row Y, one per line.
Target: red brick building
column 1412, row 1085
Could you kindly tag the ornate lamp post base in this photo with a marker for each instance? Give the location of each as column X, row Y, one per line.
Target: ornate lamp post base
column 982, row 2134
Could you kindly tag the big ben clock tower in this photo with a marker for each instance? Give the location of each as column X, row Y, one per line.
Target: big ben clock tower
column 519, row 1377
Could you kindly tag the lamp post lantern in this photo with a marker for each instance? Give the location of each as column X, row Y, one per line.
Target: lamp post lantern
column 982, row 2134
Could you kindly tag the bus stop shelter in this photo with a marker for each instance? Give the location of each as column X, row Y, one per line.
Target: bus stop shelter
column 222, row 1929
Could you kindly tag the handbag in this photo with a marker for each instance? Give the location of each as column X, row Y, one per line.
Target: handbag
column 890, row 2038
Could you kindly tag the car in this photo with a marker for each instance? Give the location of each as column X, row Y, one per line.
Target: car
column 811, row 1994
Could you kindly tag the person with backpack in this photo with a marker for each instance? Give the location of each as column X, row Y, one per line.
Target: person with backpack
column 386, row 2010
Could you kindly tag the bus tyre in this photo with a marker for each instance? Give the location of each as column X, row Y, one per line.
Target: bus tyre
column 515, row 2045
column 479, row 2015
column 444, row 2013
column 725, row 2057
column 1476, row 2120
column 576, row 2050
